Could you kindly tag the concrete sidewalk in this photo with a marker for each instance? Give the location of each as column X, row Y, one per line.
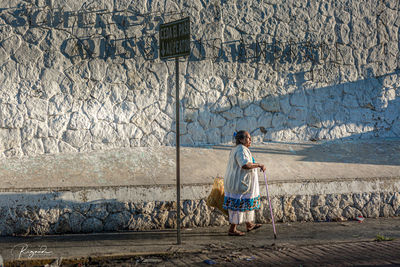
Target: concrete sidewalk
column 156, row 166
column 73, row 249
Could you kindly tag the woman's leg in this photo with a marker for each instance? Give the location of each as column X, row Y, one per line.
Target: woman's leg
column 250, row 217
column 234, row 231
column 234, row 219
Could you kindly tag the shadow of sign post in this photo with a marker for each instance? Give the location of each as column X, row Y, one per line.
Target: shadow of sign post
column 174, row 42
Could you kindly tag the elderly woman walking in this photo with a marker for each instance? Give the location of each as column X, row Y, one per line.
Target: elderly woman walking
column 242, row 193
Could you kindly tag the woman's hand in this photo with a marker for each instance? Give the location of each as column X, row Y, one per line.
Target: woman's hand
column 250, row 165
column 262, row 167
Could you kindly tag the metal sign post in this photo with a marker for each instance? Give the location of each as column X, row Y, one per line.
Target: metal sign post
column 174, row 43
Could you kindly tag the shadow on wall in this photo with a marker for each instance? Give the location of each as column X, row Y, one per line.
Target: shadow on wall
column 363, row 109
column 358, row 110
column 47, row 213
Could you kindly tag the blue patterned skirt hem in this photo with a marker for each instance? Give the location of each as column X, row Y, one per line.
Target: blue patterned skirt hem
column 245, row 204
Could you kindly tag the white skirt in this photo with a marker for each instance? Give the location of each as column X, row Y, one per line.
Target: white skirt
column 241, row 207
column 238, row 217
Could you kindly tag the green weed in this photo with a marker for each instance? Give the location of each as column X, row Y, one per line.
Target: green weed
column 380, row 238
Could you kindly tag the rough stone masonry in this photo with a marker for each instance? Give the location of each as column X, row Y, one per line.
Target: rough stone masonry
column 139, row 216
column 85, row 75
column 81, row 76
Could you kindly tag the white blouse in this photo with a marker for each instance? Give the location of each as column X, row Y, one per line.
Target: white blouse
column 238, row 180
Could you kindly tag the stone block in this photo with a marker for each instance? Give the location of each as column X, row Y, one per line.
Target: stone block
column 75, row 221
column 371, row 211
column 92, row 225
column 79, row 121
column 217, row 121
column 190, row 115
column 222, row 105
column 213, row 136
column 77, row 138
column 204, row 118
column 27, row 54
column 106, row 112
column 37, row 108
column 150, row 140
column 319, row 213
column 29, row 130
column 345, row 201
column 50, row 145
column 233, row 113
column 284, row 104
column 318, row 200
column 115, row 73
column 5, row 229
column 103, row 132
column 196, row 132
column 164, row 121
column 227, row 131
column 64, row 147
column 334, row 214
column 387, row 211
column 350, row 101
column 60, row 104
column 34, row 35
column 247, row 124
column 33, row 147
column 158, row 131
column 124, row 111
column 9, row 138
column 289, row 213
column 4, row 57
column 11, row 116
column 245, row 98
column 298, row 99
column 200, row 68
column 57, row 125
column 301, row 206
column 270, row 103
column 118, row 221
column 101, row 92
column 142, row 222
column 118, row 93
column 253, row 111
column 265, row 120
column 351, row 212
column 297, row 116
column 195, row 100
column 116, row 207
column 11, row 43
column 279, row 120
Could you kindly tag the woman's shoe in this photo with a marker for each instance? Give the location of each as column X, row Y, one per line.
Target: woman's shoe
column 253, row 227
column 236, row 233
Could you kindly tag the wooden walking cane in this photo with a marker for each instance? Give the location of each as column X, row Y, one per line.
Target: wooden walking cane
column 270, row 205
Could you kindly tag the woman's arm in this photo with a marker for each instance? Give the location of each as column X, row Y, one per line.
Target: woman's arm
column 250, row 165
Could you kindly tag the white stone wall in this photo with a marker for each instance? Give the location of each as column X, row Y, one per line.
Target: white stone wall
column 86, row 75
column 67, row 217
